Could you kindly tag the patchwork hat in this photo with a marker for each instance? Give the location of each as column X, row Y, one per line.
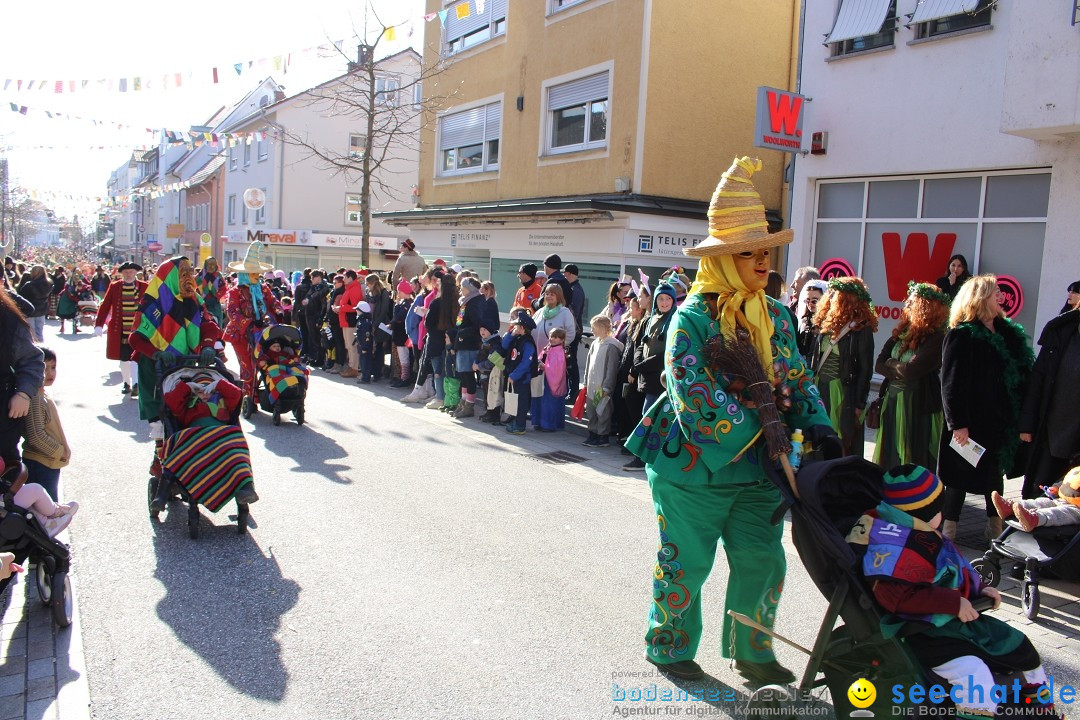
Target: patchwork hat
column 915, row 490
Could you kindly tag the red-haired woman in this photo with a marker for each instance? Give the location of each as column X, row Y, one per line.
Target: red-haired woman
column 911, row 413
column 844, row 360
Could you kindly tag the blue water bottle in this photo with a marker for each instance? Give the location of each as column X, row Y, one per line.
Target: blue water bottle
column 795, row 458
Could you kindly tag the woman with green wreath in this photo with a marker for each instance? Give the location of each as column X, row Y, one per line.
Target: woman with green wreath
column 844, row 358
column 700, row 445
column 985, row 364
column 910, row 361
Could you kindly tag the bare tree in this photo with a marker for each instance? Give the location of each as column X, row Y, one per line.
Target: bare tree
column 390, row 119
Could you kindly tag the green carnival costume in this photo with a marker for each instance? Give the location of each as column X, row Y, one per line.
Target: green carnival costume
column 704, row 468
column 911, row 415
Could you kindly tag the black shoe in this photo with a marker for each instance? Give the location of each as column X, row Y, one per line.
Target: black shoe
column 766, row 673
column 634, row 465
column 684, row 669
column 597, row 441
column 164, row 493
column 126, row 389
column 590, row 440
column 134, row 391
column 246, row 495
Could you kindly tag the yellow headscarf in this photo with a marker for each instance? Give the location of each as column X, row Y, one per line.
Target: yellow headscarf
column 736, row 304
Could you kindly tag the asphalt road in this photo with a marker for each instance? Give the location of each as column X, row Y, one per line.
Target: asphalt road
column 401, row 565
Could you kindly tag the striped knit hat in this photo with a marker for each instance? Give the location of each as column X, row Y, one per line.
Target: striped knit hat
column 915, row 490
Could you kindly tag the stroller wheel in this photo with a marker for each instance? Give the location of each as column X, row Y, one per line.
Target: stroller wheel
column 43, row 571
column 1030, row 600
column 988, row 571
column 63, row 604
column 298, row 413
column 277, row 416
column 248, row 408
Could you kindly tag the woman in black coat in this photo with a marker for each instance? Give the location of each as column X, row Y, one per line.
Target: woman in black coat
column 955, row 276
column 1049, row 419
column 985, row 364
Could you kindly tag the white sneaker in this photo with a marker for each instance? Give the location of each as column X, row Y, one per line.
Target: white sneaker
column 413, row 397
column 55, row 524
column 434, row 404
column 426, row 393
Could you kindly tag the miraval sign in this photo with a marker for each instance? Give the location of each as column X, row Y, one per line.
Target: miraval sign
column 779, row 119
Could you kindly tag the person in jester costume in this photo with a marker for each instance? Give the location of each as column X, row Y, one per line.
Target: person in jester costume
column 700, row 444
column 170, row 322
column 252, row 306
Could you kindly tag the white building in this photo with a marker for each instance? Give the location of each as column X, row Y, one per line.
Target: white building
column 953, row 127
column 311, row 216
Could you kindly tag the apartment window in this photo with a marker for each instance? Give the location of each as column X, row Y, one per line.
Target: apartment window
column 557, row 5
column 353, row 213
column 260, row 214
column 232, row 209
column 469, row 140
column 386, row 91
column 232, row 158
column 941, row 17
column 577, row 114
column 243, row 214
column 479, row 27
column 863, row 25
column 247, row 153
column 263, row 152
column 357, row 144
column 417, row 93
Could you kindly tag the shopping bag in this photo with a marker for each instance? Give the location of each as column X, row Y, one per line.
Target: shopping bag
column 510, row 400
column 536, row 386
column 578, row 411
column 452, row 387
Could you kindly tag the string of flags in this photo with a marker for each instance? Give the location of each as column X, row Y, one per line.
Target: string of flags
column 214, row 75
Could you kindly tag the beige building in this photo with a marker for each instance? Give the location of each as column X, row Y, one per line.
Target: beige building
column 595, row 129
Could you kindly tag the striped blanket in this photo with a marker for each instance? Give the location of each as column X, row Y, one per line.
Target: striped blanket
column 280, row 378
column 210, row 463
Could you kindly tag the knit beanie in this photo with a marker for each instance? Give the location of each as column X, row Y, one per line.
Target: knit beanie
column 471, row 284
column 529, row 269
column 915, row 490
column 405, row 287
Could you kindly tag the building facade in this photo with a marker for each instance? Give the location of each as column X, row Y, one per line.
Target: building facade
column 311, row 216
column 594, row 129
column 946, row 134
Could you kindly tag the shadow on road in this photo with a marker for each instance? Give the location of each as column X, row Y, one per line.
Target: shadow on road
column 311, row 450
column 225, row 598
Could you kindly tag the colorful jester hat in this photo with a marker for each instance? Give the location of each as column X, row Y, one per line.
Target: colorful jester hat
column 168, row 320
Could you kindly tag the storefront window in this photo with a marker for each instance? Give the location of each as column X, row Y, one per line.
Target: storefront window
column 952, row 197
column 1017, row 196
column 893, row 199
column 841, row 200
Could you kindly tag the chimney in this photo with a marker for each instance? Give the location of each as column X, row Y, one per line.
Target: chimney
column 279, row 95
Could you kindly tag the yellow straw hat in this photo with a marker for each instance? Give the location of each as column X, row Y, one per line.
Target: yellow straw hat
column 737, row 216
column 252, row 262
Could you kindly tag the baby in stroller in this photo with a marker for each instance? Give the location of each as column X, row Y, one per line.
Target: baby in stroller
column 283, row 376
column 920, row 577
column 53, row 517
column 1061, row 506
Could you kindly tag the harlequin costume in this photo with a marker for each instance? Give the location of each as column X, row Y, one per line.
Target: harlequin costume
column 67, row 307
column 212, row 289
column 118, row 310
column 251, row 305
column 699, row 445
column 170, row 322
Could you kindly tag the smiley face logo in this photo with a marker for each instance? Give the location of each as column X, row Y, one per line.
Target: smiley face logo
column 862, row 693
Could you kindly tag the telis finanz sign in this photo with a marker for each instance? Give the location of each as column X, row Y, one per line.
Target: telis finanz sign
column 779, row 120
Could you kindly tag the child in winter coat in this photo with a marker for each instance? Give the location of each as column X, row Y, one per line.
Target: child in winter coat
column 45, row 450
column 1061, row 506
column 365, row 341
column 490, row 363
column 549, row 410
column 400, row 336
column 601, row 376
column 919, row 576
column 520, row 351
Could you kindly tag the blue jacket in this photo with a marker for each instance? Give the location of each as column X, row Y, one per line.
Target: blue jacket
column 521, row 356
column 412, row 320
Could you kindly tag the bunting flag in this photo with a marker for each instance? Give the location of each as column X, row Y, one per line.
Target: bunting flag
column 427, row 18
column 479, row 7
column 442, row 17
column 389, row 34
column 462, row 10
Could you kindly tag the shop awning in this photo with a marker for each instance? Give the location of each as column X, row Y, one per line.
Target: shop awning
column 934, row 9
column 858, row 18
column 106, row 241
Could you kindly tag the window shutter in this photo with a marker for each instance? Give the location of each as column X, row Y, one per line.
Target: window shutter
column 578, row 92
column 496, row 9
column 463, row 128
column 858, row 18
column 494, row 122
column 936, row 9
column 457, row 28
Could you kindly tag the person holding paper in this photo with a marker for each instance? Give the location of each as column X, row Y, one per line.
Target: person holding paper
column 985, row 364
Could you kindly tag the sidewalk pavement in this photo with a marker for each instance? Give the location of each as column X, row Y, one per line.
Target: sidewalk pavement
column 42, row 669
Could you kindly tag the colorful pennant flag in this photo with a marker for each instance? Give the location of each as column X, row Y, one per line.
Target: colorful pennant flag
column 462, row 10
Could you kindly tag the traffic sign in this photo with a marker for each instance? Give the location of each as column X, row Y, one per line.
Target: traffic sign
column 154, row 246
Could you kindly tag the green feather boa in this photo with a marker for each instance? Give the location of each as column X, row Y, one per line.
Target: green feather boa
column 1016, row 374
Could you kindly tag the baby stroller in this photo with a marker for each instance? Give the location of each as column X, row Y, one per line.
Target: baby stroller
column 833, row 494
column 282, row 379
column 88, row 308
column 1029, row 554
column 22, row 534
column 206, row 462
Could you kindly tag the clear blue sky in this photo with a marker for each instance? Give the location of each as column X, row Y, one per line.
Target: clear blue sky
column 76, row 40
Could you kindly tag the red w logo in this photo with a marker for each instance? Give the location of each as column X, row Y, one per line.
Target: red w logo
column 784, row 110
column 914, row 262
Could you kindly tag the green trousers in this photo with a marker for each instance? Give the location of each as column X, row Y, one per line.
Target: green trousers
column 693, row 519
column 149, row 398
